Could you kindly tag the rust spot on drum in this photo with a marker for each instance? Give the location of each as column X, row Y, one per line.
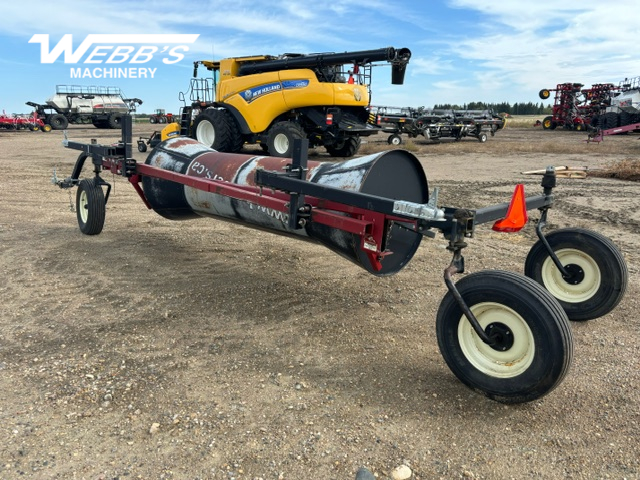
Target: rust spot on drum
column 179, row 142
column 203, row 205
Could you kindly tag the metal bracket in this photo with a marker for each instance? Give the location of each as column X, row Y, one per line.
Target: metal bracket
column 298, row 169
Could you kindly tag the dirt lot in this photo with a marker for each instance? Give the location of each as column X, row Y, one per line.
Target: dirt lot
column 207, row 350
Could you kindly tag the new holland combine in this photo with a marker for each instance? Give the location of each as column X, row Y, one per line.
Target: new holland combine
column 275, row 100
column 503, row 334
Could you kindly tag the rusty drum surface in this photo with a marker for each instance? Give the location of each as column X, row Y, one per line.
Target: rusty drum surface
column 395, row 174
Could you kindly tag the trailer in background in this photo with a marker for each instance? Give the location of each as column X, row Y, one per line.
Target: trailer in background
column 436, row 125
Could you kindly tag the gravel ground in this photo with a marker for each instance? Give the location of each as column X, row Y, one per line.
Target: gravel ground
column 208, row 350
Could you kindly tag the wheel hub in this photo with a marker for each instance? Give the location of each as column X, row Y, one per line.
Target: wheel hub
column 575, row 274
column 500, row 335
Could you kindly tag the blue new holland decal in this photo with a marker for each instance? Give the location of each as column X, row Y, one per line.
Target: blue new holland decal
column 251, row 94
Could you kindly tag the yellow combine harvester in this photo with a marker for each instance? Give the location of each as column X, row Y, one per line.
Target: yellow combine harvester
column 273, row 101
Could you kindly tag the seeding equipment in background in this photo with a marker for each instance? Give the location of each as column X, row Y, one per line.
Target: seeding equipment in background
column 621, row 114
column 101, row 106
column 23, row 122
column 566, row 112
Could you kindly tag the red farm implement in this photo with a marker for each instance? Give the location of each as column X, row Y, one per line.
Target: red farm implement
column 503, row 334
column 575, row 108
column 159, row 116
column 565, row 111
column 23, row 122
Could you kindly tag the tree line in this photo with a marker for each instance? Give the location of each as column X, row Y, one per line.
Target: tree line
column 517, row 108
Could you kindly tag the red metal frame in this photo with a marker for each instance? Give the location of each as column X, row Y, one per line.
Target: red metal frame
column 367, row 224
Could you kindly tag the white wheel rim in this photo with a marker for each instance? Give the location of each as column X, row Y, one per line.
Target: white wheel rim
column 205, row 133
column 395, row 141
column 507, row 364
column 559, row 288
column 281, row 143
column 84, row 207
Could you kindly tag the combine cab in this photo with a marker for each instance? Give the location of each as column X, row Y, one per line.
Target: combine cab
column 272, row 101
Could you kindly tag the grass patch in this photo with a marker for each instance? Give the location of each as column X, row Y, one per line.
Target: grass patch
column 626, row 169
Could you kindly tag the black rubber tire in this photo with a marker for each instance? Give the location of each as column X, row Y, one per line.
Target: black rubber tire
column 625, row 119
column 58, row 121
column 153, row 120
column 114, row 121
column 90, row 207
column 142, row 147
column 605, row 274
column 544, row 94
column 482, row 138
column 281, row 137
column 612, row 120
column 217, row 129
column 541, row 346
column 548, row 123
column 394, row 139
column 349, row 148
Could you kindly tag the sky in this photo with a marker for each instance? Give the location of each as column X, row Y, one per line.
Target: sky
column 462, row 50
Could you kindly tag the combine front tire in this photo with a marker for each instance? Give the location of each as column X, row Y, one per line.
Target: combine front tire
column 217, row 129
column 281, row 138
column 348, row 148
column 90, row 207
column 532, row 347
column 597, row 271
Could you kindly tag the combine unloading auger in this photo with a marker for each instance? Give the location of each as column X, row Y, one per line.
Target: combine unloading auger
column 502, row 334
